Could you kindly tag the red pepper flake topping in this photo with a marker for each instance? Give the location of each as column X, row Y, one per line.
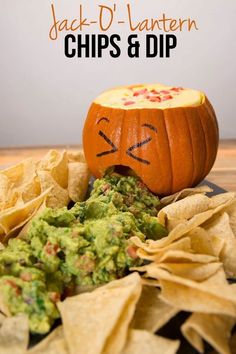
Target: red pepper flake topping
column 140, row 92
column 155, row 99
column 164, row 92
column 168, row 97
column 153, row 95
column 176, row 89
column 128, row 103
column 154, row 91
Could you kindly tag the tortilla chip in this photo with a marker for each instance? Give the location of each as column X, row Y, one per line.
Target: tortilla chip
column 231, row 211
column 117, row 337
column 105, row 313
column 4, row 186
column 15, row 216
column 76, row 156
column 2, row 318
column 205, row 243
column 220, row 227
column 192, row 266
column 20, row 173
column 221, row 199
column 195, row 300
column 192, row 296
column 152, row 313
column 214, row 329
column 185, row 193
column 159, row 254
column 25, row 228
column 30, row 190
column 193, row 271
column 22, row 194
column 183, row 244
column 78, row 180
column 13, row 198
column 178, row 232
column 15, row 231
column 144, row 342
column 14, row 335
column 176, row 256
column 56, row 163
column 150, row 282
column 223, row 207
column 58, row 196
column 185, row 227
column 184, row 209
column 54, row 343
column 5, row 190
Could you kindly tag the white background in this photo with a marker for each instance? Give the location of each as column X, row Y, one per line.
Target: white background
column 44, row 96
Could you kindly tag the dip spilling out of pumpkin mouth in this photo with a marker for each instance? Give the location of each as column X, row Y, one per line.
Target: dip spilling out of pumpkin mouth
column 122, row 170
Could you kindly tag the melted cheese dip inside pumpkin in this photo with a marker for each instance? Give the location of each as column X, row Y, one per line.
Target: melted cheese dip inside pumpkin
column 150, row 96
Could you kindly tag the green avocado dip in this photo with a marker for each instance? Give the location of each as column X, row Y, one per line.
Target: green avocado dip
column 87, row 245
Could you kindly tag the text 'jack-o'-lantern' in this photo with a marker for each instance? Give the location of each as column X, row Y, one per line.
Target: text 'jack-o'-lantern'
column 167, row 135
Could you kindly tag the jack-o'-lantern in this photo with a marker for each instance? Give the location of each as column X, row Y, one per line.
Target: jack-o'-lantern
column 167, row 135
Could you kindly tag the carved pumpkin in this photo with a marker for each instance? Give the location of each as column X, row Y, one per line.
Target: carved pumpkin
column 167, row 135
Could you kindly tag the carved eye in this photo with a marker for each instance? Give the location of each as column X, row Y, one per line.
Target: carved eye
column 136, row 146
column 106, row 152
column 140, row 144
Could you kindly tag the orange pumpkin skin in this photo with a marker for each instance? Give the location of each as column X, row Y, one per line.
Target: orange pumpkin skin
column 179, row 154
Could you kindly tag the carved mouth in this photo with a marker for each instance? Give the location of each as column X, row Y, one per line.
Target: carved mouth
column 120, row 170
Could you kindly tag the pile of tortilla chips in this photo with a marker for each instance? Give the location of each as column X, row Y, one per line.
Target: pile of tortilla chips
column 186, row 271
column 53, row 181
column 93, row 323
column 190, row 267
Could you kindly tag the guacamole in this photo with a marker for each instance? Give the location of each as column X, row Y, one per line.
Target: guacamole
column 86, row 245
